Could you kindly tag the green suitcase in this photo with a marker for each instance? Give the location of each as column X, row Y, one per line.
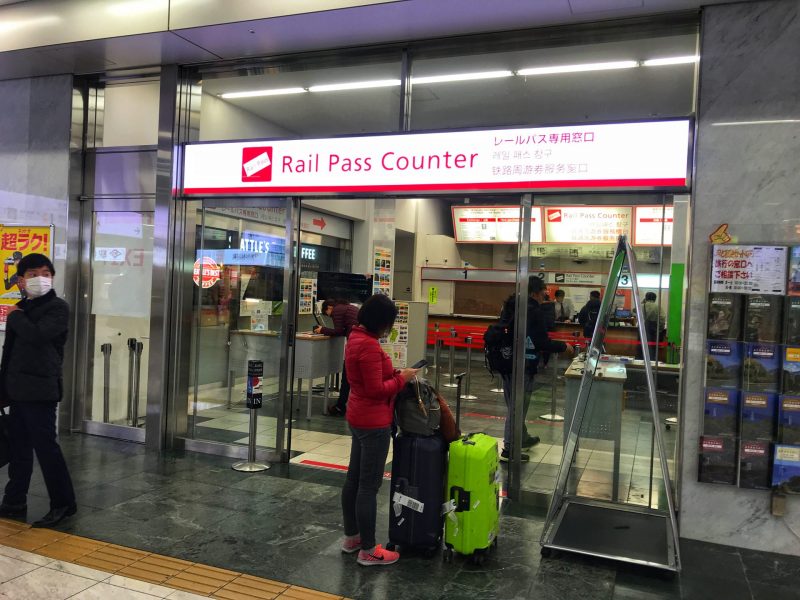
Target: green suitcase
column 473, row 488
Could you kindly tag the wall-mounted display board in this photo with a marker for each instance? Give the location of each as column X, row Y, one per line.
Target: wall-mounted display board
column 586, row 224
column 752, row 393
column 493, row 224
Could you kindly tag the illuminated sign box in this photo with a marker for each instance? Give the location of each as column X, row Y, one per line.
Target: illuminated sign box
column 645, row 155
column 652, row 225
column 493, row 224
column 586, row 224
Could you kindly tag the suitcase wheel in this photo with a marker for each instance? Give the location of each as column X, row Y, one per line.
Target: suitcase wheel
column 478, row 558
column 430, row 552
column 447, row 555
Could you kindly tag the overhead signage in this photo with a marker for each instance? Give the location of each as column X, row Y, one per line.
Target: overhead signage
column 574, row 278
column 586, row 224
column 645, row 155
column 493, row 224
column 749, row 269
column 310, row 220
column 652, row 225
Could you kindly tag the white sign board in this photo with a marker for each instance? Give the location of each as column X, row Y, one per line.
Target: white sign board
column 493, row 224
column 648, row 222
column 643, row 155
column 749, row 269
column 586, row 224
column 561, row 278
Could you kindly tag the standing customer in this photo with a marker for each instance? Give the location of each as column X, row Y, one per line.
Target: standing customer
column 589, row 314
column 374, row 383
column 345, row 317
column 31, row 382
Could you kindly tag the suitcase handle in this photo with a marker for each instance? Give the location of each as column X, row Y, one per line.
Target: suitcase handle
column 461, row 496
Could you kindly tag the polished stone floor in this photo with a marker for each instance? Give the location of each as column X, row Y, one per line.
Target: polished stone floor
column 286, row 524
column 323, row 440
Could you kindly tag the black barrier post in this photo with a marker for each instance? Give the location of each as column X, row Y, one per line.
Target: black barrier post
column 467, row 395
column 453, row 334
column 106, row 350
column 437, row 363
column 255, row 377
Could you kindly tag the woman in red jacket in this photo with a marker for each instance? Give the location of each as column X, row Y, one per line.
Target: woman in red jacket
column 374, row 383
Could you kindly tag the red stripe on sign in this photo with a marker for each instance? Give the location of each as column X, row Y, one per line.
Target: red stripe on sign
column 567, row 184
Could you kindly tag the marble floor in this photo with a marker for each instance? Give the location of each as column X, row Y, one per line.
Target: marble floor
column 324, row 442
column 285, row 525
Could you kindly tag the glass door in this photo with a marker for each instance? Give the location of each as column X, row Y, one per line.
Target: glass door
column 121, row 265
column 242, row 275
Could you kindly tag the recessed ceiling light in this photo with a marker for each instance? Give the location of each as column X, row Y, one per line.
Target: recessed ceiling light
column 357, row 85
column 461, row 77
column 604, row 66
column 257, row 93
column 763, row 122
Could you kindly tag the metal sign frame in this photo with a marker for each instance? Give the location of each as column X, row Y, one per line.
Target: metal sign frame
column 557, row 513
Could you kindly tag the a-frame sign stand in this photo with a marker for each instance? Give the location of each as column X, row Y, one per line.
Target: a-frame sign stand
column 624, row 532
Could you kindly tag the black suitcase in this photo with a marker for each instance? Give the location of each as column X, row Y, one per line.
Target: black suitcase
column 417, row 493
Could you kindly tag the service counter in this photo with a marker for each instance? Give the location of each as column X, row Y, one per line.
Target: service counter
column 315, row 356
column 603, row 417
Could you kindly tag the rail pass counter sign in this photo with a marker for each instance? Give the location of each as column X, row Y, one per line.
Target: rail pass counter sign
column 15, row 242
column 648, row 155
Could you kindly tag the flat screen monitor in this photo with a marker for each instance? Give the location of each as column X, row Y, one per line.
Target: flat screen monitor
column 266, row 283
column 622, row 313
column 345, row 286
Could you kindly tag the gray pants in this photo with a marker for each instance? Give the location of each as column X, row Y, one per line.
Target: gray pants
column 508, row 396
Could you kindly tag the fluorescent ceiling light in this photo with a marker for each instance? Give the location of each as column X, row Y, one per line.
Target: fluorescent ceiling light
column 764, row 122
column 604, row 66
column 461, row 77
column 8, row 26
column 256, row 93
column 358, row 85
column 673, row 60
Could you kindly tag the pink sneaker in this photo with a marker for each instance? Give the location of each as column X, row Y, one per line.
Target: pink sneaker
column 351, row 544
column 378, row 556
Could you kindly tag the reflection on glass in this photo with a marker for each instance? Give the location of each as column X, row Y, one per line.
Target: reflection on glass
column 121, row 265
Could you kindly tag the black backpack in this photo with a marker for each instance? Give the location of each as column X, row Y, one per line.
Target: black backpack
column 498, row 348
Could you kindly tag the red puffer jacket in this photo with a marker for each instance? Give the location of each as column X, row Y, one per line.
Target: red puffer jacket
column 373, row 381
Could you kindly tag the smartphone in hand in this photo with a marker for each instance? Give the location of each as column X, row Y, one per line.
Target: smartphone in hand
column 420, row 364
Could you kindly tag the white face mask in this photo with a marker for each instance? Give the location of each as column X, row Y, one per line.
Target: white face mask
column 38, row 286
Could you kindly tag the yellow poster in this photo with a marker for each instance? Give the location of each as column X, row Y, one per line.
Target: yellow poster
column 17, row 241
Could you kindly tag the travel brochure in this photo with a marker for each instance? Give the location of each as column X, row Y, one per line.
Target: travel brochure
column 751, row 428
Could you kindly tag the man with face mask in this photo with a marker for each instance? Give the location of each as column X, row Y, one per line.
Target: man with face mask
column 31, row 384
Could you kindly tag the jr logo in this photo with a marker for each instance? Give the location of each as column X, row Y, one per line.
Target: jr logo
column 257, row 163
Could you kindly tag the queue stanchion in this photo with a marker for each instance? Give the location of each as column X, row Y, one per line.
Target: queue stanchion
column 553, row 415
column 437, row 364
column 435, row 340
column 452, row 383
column 467, row 395
column 106, row 350
column 459, row 377
column 255, row 376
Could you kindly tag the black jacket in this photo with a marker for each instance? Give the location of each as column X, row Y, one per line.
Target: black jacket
column 588, row 316
column 537, row 328
column 33, row 352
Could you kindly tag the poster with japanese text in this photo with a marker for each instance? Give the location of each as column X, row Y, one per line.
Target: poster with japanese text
column 794, row 271
column 749, row 269
column 586, row 224
column 308, row 293
column 382, row 271
column 17, row 241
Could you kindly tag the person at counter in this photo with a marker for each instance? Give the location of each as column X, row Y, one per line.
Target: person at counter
column 345, row 317
column 565, row 309
column 589, row 313
column 654, row 322
column 374, row 385
column 537, row 344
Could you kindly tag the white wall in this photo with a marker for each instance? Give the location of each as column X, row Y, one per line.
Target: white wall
column 131, row 114
column 222, row 120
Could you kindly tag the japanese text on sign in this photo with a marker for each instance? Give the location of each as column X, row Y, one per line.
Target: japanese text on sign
column 749, row 269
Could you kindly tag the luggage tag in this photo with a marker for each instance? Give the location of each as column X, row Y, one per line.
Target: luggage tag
column 403, row 500
column 449, row 509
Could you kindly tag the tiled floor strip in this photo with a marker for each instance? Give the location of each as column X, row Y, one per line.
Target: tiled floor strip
column 145, row 575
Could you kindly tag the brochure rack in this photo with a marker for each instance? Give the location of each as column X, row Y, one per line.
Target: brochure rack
column 608, row 529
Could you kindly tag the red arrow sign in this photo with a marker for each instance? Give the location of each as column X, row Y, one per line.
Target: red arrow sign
column 319, row 222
